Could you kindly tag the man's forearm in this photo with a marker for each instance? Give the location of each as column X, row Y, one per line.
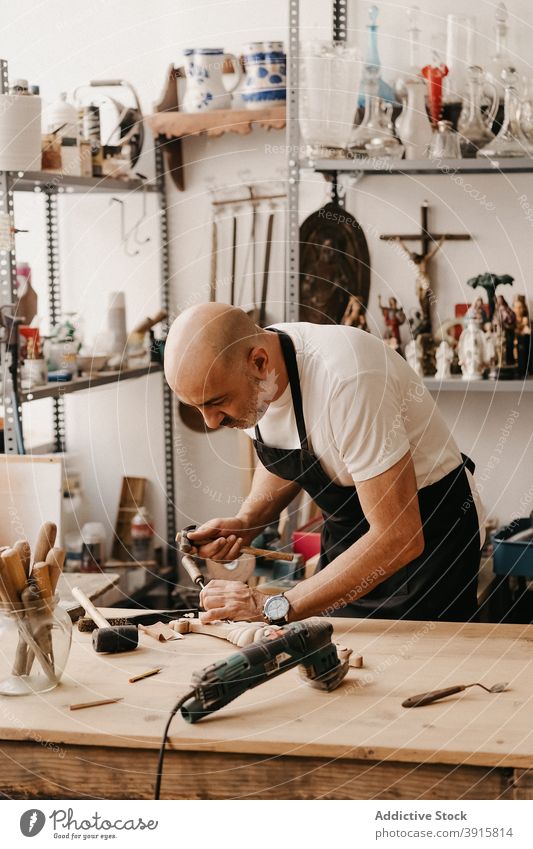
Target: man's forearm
column 364, row 565
column 268, row 496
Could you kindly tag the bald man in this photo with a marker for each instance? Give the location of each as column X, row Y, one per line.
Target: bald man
column 336, row 412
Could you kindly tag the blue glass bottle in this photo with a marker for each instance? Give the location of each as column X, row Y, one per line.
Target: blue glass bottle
column 386, row 91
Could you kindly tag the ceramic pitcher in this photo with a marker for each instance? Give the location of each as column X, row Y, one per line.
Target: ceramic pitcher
column 415, row 129
column 265, row 83
column 205, row 89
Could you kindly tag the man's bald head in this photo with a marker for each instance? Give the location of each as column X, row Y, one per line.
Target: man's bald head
column 205, row 339
column 217, row 359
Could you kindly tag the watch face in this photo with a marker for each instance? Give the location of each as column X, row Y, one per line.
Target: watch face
column 277, row 607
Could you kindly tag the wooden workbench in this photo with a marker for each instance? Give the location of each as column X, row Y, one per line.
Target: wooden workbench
column 284, row 739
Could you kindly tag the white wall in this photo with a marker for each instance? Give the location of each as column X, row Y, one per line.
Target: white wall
column 62, row 44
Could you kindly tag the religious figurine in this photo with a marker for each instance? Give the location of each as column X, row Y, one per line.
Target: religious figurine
column 414, row 356
column 476, row 312
column 522, row 336
column 489, row 282
column 472, row 351
column 355, row 314
column 491, row 349
column 394, row 317
column 444, row 360
column 505, row 324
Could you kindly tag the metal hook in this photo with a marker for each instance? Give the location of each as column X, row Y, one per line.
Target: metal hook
column 124, row 235
column 135, row 229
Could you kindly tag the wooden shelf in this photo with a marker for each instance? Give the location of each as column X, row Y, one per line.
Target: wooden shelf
column 216, row 122
column 457, row 384
column 78, row 384
column 382, row 165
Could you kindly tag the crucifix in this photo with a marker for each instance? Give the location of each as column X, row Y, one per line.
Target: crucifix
column 431, row 243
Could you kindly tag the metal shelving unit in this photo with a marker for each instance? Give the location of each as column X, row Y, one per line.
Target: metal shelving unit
column 57, row 183
column 78, row 384
column 358, row 167
column 457, row 384
column 52, row 186
column 380, row 166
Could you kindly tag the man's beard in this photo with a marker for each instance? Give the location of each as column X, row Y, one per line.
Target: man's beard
column 261, row 393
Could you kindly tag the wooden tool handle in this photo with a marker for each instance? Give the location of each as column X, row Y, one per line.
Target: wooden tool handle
column 45, row 541
column 89, row 608
column 24, row 551
column 432, row 696
column 147, row 324
column 13, row 566
column 55, row 560
column 192, row 570
column 267, row 553
column 41, row 576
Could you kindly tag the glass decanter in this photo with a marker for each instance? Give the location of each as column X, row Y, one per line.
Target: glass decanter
column 415, row 64
column 510, row 141
column 474, row 124
column 376, row 123
column 501, row 61
column 373, row 62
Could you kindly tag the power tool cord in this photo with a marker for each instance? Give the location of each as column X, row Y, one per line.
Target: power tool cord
column 173, row 713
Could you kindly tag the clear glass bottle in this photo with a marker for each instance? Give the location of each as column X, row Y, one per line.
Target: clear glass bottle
column 373, row 62
column 475, row 125
column 377, row 118
column 501, row 61
column 510, row 141
column 415, row 64
column 35, row 644
column 460, row 55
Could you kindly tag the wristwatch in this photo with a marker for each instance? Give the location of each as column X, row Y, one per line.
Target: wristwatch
column 276, row 609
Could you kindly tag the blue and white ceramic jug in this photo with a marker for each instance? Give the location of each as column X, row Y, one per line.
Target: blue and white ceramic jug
column 265, row 83
column 205, row 89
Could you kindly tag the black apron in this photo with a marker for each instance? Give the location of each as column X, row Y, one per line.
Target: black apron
column 439, row 584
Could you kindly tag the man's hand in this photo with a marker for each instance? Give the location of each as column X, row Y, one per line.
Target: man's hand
column 220, row 539
column 231, row 600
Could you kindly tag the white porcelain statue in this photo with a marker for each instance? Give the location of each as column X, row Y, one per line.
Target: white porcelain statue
column 444, row 361
column 472, row 351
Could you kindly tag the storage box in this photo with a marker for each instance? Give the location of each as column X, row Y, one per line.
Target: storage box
column 513, row 558
column 306, row 540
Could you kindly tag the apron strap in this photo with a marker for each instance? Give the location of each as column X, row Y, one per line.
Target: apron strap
column 468, row 463
column 289, row 356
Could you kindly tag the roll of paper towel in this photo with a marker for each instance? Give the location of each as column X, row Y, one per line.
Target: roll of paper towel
column 20, row 132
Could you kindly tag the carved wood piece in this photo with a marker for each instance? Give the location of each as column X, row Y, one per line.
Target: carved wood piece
column 243, row 634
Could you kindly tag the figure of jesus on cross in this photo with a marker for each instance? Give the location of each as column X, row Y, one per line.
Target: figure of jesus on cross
column 431, row 243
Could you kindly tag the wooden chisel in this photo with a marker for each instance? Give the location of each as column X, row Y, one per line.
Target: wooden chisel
column 265, row 553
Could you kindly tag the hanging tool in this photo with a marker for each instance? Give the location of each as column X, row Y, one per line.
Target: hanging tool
column 191, row 416
column 233, row 259
column 436, row 695
column 306, row 644
column 187, row 547
column 107, row 638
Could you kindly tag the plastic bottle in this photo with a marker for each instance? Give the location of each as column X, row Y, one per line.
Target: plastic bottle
column 142, row 536
column 62, row 117
column 92, row 552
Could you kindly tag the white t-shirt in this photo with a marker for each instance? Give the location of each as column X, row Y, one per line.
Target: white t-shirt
column 364, row 408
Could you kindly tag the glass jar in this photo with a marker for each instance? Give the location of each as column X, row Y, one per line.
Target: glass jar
column 34, row 647
column 330, row 77
column 445, row 142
